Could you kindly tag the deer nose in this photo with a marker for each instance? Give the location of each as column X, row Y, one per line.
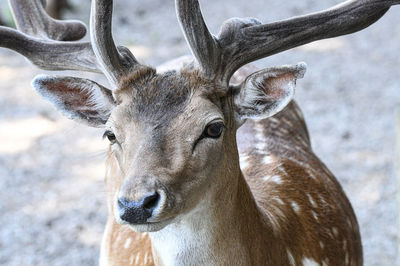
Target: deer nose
column 136, row 212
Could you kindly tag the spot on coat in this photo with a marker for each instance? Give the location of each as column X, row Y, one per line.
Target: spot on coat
column 312, row 201
column 347, row 258
column 261, row 146
column 335, row 231
column 127, row 243
column 290, row 258
column 268, row 159
column 295, row 206
column 276, row 179
column 279, row 200
column 282, row 170
column 315, row 215
column 266, row 178
column 309, row 262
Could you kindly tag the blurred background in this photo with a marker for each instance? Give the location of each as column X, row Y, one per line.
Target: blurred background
column 52, row 198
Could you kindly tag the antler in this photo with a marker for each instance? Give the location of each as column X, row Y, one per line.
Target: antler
column 202, row 44
column 241, row 41
column 46, row 42
column 52, row 44
column 115, row 62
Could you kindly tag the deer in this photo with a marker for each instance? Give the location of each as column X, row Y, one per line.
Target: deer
column 209, row 161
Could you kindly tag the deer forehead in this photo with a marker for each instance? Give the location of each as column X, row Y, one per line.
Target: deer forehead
column 162, row 100
column 155, row 97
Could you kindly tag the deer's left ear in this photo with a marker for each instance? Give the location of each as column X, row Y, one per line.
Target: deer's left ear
column 266, row 92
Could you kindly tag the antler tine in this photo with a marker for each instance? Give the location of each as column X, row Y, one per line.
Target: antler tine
column 241, row 41
column 201, row 42
column 47, row 42
column 115, row 62
column 26, row 14
column 50, row 55
column 245, row 43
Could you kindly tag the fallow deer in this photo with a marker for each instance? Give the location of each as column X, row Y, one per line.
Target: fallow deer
column 177, row 194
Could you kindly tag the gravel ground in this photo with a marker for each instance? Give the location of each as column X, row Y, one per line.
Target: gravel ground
column 52, row 196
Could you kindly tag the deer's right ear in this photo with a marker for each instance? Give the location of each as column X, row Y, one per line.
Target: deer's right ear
column 266, row 92
column 78, row 99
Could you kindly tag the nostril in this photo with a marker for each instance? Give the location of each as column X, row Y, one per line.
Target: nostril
column 150, row 202
column 123, row 203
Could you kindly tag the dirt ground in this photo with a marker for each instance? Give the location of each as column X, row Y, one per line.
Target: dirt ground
column 52, row 199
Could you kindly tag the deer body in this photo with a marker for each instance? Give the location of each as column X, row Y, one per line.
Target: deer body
column 178, row 191
column 283, row 208
column 278, row 227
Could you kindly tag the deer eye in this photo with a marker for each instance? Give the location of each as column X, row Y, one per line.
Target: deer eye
column 213, row 130
column 110, row 136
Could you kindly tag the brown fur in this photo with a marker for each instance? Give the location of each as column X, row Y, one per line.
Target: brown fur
column 285, row 207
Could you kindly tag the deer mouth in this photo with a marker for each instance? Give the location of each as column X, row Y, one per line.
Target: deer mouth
column 150, row 226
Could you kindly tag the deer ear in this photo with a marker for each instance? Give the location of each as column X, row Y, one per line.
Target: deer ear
column 266, row 92
column 79, row 99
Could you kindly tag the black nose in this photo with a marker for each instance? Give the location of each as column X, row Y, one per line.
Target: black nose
column 138, row 211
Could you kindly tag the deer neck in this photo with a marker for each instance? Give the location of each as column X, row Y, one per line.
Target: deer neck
column 223, row 228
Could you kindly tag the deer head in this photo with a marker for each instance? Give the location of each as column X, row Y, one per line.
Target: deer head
column 172, row 134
